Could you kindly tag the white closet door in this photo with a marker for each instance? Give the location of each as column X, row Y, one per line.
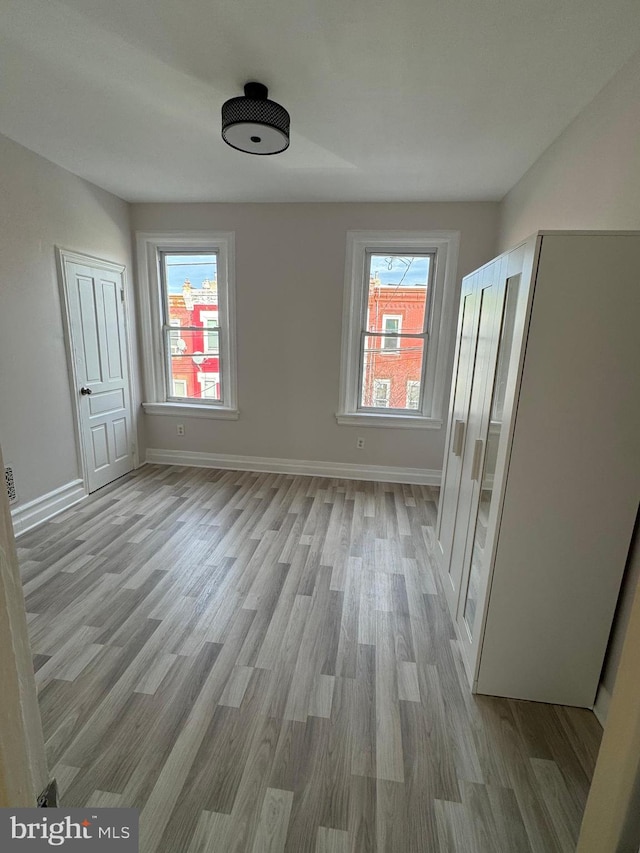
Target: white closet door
column 486, row 490
column 459, row 409
column 490, row 297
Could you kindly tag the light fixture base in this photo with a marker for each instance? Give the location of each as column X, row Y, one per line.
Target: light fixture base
column 256, row 91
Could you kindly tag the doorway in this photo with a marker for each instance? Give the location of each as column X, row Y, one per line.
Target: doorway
column 93, row 295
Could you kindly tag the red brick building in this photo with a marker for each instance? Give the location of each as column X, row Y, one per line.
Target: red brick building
column 195, row 343
column 393, row 363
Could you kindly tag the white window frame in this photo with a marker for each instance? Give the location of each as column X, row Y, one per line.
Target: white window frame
column 444, row 246
column 149, row 248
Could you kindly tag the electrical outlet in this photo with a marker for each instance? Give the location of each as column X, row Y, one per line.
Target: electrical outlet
column 359, row 443
column 180, row 429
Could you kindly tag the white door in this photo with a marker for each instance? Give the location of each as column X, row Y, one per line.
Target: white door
column 456, row 507
column 459, row 413
column 94, row 294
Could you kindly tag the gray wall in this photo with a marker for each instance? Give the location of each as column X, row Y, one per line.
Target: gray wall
column 290, row 261
column 589, row 179
column 41, row 206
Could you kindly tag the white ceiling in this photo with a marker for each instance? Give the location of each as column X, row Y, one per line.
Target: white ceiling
column 400, row 100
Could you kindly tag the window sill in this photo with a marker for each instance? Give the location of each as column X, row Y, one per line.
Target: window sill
column 191, row 410
column 394, row 421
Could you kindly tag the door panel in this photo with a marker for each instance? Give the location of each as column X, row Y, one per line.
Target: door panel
column 106, row 401
column 99, row 447
column 490, row 292
column 88, row 329
column 120, row 438
column 452, row 467
column 96, row 318
column 477, row 571
column 110, row 299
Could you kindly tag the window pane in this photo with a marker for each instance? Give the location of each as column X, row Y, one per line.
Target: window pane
column 190, row 342
column 190, row 384
column 189, row 359
column 398, row 367
column 191, row 286
column 397, row 291
column 191, row 313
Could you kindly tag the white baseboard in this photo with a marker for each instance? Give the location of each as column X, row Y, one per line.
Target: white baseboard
column 345, row 470
column 601, row 705
column 41, row 509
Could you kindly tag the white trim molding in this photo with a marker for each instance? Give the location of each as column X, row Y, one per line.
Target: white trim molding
column 366, row 419
column 148, row 248
column 35, row 512
column 443, row 245
column 190, row 410
column 266, row 464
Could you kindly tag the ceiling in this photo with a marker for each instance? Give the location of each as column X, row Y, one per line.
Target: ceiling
column 403, row 100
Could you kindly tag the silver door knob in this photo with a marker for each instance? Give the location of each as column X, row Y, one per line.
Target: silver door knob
column 85, row 391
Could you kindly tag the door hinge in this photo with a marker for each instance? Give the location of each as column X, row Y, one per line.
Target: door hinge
column 122, row 294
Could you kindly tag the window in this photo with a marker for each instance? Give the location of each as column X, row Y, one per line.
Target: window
column 188, row 325
column 209, row 385
column 413, row 394
column 179, row 388
column 210, row 323
column 397, row 326
column 391, row 326
column 176, row 342
column 381, row 393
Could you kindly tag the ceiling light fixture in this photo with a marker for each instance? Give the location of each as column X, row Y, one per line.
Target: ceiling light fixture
column 255, row 124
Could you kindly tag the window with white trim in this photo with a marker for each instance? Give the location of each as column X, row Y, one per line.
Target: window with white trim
column 188, row 325
column 397, row 327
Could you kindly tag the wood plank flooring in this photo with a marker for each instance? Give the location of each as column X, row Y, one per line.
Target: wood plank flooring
column 263, row 662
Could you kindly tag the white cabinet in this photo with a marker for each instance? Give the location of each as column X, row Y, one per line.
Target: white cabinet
column 541, row 477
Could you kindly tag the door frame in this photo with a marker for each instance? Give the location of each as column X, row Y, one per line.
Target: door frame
column 62, row 256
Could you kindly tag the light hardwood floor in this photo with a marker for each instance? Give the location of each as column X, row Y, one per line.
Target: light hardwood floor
column 264, row 662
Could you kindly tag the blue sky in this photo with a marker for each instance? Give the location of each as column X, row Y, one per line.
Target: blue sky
column 179, row 267
column 416, row 269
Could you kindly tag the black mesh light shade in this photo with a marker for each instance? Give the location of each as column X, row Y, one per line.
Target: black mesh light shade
column 255, row 124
